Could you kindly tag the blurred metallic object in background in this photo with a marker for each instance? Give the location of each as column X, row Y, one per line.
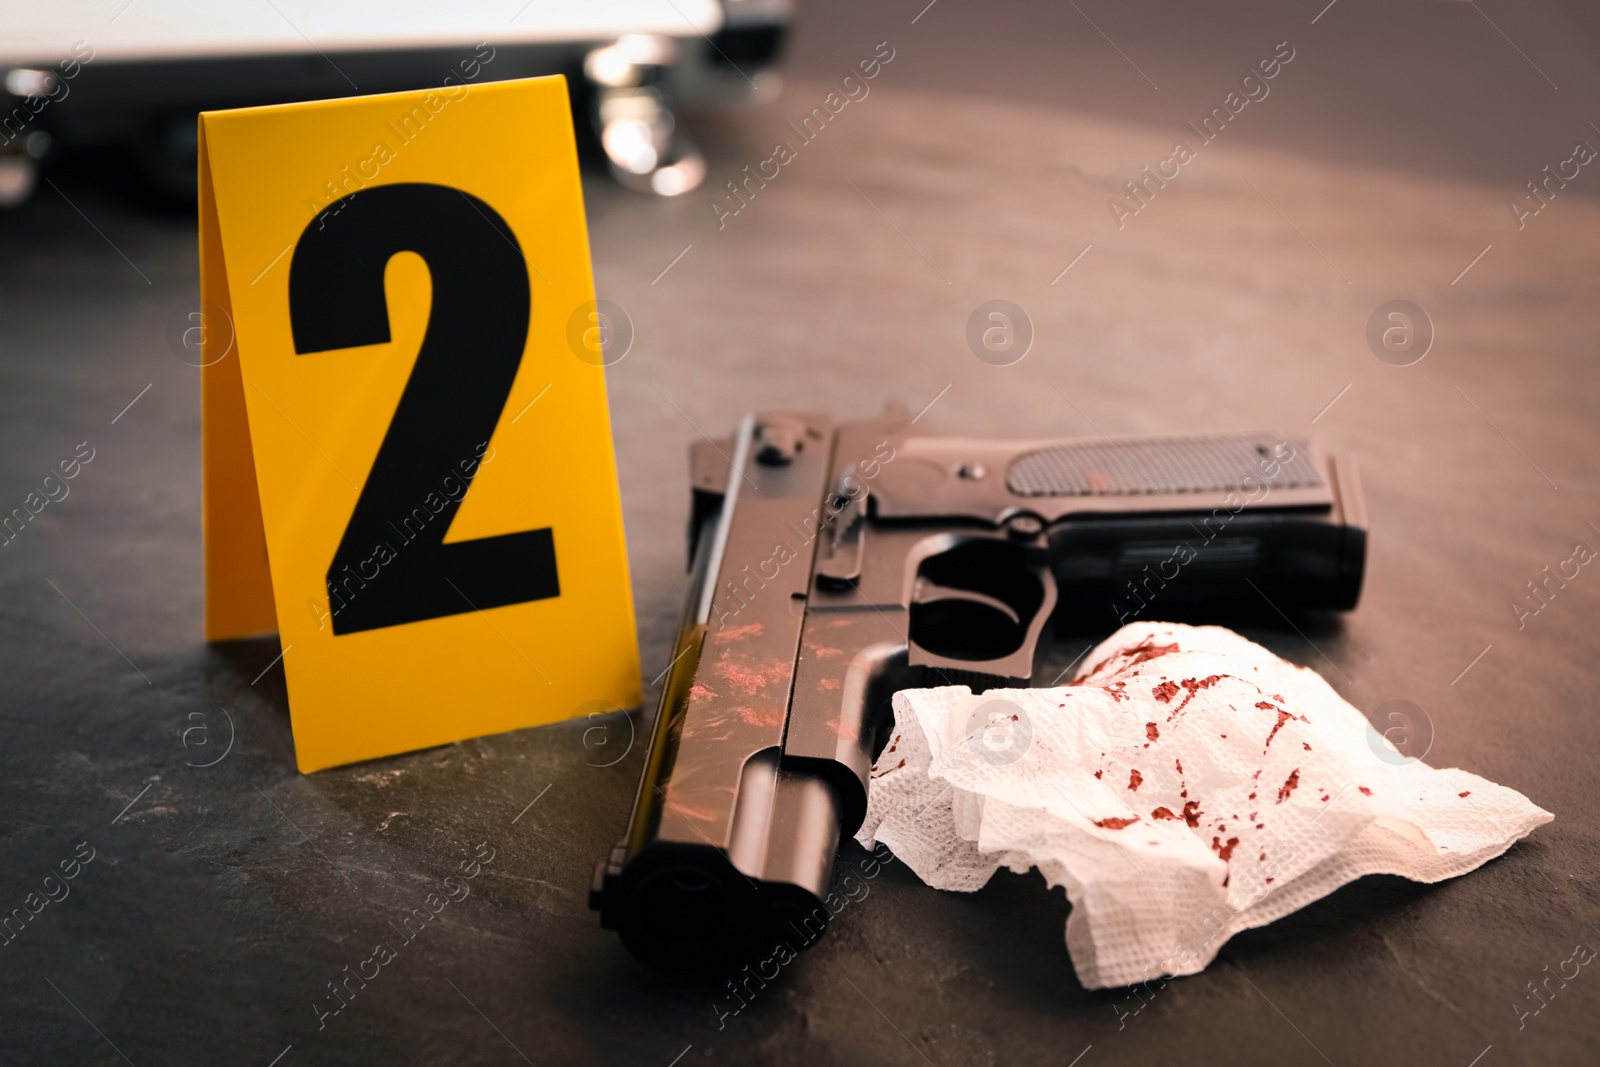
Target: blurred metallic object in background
column 27, row 82
column 135, row 81
column 634, row 118
column 23, row 92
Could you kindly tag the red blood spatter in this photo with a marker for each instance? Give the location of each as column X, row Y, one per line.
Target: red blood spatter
column 700, row 692
column 1278, row 697
column 1083, row 675
column 1163, row 813
column 1179, row 764
column 1135, row 779
column 1326, row 798
column 1146, row 652
column 1115, row 823
column 1092, row 670
column 706, row 815
column 1116, row 691
column 1165, row 692
column 1194, row 685
column 1263, row 858
column 1305, row 746
column 739, row 633
column 1289, row 785
column 1149, row 650
column 1260, row 825
column 1191, row 813
column 1224, row 851
column 749, row 679
column 1252, row 796
column 1098, row 773
column 897, row 766
column 1283, row 717
column 1252, row 816
column 760, row 716
column 1269, row 881
column 1468, row 793
column 1364, row 790
column 1150, row 731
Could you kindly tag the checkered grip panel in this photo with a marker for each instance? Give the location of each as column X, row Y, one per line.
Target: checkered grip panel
column 1210, row 463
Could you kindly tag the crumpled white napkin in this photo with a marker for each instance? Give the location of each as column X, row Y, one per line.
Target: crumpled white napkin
column 1190, row 785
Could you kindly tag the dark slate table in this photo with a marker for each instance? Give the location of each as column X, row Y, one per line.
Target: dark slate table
column 222, row 899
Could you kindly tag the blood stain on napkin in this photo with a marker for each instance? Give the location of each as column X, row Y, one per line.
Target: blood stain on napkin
column 1329, row 799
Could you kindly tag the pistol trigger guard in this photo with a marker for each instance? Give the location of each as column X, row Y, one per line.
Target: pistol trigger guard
column 978, row 604
column 926, row 592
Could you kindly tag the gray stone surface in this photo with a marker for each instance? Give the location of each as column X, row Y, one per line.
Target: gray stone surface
column 223, row 899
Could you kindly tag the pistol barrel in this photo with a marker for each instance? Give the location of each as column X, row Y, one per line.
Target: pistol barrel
column 728, row 841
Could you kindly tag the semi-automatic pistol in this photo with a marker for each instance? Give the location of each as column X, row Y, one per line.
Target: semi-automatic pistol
column 836, row 564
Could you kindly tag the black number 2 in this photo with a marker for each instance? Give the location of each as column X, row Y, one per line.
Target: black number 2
column 392, row 565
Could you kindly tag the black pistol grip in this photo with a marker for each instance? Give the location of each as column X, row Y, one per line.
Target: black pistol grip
column 1138, row 526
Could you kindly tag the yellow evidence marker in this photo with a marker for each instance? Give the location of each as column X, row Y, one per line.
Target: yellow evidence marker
column 408, row 470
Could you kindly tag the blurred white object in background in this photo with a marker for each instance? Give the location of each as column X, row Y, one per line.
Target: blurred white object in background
column 133, row 73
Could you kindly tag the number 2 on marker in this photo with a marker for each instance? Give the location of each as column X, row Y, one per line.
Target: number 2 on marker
column 477, row 330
